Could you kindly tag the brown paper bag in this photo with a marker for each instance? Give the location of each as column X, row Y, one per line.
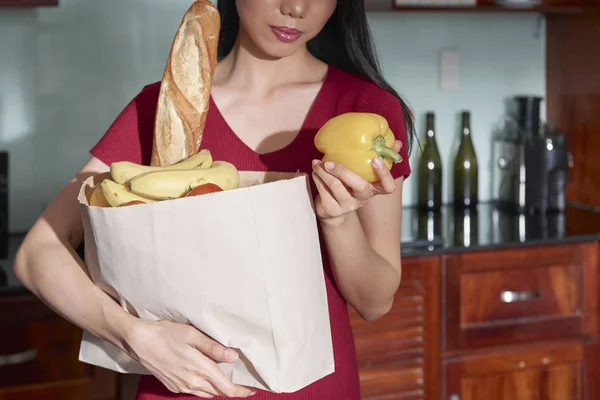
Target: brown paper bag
column 243, row 266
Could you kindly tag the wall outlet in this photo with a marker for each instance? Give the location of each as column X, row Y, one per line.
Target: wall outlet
column 450, row 70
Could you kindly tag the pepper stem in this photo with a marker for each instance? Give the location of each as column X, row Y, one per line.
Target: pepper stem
column 383, row 150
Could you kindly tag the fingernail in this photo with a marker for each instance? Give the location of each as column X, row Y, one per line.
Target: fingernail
column 230, row 355
column 315, row 162
column 329, row 165
column 378, row 162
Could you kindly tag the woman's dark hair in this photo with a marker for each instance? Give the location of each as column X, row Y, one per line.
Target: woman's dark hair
column 345, row 42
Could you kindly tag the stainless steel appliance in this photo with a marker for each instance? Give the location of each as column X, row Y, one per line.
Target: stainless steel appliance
column 531, row 162
column 4, row 197
column 508, row 172
column 547, row 163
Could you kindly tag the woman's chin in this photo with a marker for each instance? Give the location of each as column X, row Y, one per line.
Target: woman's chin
column 279, row 50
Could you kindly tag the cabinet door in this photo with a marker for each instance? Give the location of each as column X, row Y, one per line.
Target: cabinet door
column 552, row 371
column 398, row 355
column 100, row 385
column 39, row 356
column 546, row 5
column 564, row 3
column 520, row 295
column 556, row 383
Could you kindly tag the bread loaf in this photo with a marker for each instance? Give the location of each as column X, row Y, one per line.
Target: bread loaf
column 185, row 88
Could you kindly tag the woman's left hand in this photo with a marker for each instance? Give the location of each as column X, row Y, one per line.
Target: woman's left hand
column 341, row 191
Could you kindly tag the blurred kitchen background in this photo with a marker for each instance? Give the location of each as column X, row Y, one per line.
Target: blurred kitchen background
column 500, row 285
column 67, row 71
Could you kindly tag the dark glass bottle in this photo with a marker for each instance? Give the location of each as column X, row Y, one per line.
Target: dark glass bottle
column 430, row 170
column 465, row 223
column 466, row 189
column 429, row 225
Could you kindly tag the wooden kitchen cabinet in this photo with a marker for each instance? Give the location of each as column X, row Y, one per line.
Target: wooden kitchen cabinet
column 521, row 294
column 497, row 324
column 516, row 321
column 551, row 371
column 28, row 3
column 39, row 356
column 573, row 91
column 544, row 4
column 398, row 354
column 545, row 7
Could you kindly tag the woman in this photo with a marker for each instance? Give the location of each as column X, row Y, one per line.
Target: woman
column 287, row 66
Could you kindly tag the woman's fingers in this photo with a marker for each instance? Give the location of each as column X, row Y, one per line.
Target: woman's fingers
column 223, row 385
column 386, row 183
column 215, row 381
column 345, row 184
column 201, row 394
column 333, row 183
column 342, row 190
column 324, row 192
column 213, row 349
column 199, row 384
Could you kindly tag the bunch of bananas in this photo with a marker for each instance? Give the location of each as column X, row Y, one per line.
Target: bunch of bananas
column 131, row 183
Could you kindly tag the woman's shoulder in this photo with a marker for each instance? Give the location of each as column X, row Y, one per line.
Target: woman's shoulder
column 149, row 93
column 359, row 92
column 129, row 137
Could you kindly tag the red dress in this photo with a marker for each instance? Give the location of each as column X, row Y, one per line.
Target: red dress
column 130, row 138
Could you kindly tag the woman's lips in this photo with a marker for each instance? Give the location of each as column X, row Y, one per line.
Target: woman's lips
column 285, row 34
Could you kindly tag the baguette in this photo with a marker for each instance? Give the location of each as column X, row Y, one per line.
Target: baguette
column 184, row 95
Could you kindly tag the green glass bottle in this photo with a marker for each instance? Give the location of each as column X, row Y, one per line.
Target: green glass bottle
column 465, row 223
column 466, row 189
column 430, row 170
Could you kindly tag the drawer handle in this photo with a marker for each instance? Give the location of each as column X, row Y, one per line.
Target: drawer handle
column 513, row 297
column 18, row 358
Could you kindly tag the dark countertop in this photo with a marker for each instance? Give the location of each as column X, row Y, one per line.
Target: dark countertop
column 491, row 227
column 449, row 231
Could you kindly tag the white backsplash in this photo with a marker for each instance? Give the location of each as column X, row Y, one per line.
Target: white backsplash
column 18, row 35
column 501, row 55
column 66, row 72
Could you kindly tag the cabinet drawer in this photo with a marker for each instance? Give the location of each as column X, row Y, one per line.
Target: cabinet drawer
column 547, row 370
column 517, row 295
column 37, row 346
column 393, row 382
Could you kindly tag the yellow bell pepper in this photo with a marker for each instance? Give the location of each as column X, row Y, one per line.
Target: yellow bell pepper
column 354, row 140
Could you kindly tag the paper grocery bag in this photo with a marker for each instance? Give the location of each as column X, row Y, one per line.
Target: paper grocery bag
column 243, row 266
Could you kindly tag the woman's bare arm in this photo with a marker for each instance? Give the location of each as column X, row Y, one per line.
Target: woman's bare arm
column 180, row 356
column 47, row 264
column 364, row 247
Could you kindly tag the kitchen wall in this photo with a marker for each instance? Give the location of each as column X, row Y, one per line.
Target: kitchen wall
column 501, row 55
column 66, row 72
column 18, row 43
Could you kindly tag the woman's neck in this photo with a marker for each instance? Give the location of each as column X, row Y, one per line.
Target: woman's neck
column 245, row 68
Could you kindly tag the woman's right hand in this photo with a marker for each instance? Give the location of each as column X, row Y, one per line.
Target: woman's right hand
column 183, row 359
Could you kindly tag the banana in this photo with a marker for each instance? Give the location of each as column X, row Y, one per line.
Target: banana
column 123, row 171
column 172, row 184
column 117, row 194
column 97, row 198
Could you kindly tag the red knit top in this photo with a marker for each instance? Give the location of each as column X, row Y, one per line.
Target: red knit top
column 130, row 138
